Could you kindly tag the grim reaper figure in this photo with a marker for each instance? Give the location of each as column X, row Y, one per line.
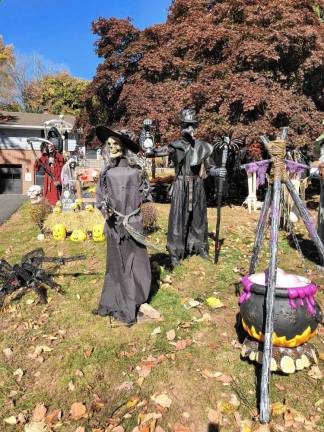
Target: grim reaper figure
column 188, row 224
column 120, row 193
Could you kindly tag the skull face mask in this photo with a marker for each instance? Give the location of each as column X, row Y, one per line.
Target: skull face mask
column 35, row 194
column 116, row 149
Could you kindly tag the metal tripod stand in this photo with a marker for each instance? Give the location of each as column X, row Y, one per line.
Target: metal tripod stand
column 278, row 177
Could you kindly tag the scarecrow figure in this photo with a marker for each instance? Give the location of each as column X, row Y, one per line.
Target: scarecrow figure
column 188, row 225
column 51, row 162
column 120, row 193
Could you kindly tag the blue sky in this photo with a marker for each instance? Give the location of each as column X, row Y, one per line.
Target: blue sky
column 60, row 30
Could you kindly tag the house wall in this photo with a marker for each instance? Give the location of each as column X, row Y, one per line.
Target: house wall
column 15, row 150
column 25, row 158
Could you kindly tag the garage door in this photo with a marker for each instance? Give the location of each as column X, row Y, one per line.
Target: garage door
column 10, row 179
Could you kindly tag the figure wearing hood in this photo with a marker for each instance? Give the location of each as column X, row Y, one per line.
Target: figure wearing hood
column 120, row 193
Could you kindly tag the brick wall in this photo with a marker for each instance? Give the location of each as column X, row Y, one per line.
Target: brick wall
column 25, row 158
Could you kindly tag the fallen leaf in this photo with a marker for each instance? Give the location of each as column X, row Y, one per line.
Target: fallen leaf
column 178, row 427
column 278, row 409
column 183, row 344
column 118, row 428
column 225, row 407
column 87, row 353
column 8, row 353
column 39, row 413
column 225, row 379
column 145, row 418
column 19, row 374
column 209, row 374
column 315, row 373
column 214, row 416
column 78, row 410
column 319, row 402
column 79, row 373
column 171, row 334
column 131, row 403
column 156, row 331
column 54, row 416
column 214, row 303
column 280, row 387
column 30, row 301
column 21, row 418
column 234, row 400
column 36, row 427
column 71, row 386
column 162, row 399
column 246, row 426
column 10, row 420
column 321, row 356
column 80, row 429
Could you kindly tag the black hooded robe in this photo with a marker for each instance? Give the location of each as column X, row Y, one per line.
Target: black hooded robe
column 188, row 224
column 128, row 273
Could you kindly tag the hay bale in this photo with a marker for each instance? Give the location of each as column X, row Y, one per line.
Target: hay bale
column 83, row 219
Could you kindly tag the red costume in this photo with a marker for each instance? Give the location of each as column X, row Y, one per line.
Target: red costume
column 51, row 192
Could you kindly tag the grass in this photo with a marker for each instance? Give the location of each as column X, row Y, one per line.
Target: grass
column 108, row 358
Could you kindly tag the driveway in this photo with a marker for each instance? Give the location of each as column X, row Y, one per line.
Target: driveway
column 9, row 204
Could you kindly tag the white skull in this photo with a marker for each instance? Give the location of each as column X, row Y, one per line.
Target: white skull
column 35, row 194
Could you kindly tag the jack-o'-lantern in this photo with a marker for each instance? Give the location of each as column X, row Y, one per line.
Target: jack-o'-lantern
column 78, row 235
column 98, row 233
column 59, row 232
column 58, row 204
column 57, row 210
column 89, row 208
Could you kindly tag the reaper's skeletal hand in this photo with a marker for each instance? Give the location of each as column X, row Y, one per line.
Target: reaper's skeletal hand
column 218, row 172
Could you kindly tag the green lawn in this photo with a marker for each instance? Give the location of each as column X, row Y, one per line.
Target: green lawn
column 67, row 355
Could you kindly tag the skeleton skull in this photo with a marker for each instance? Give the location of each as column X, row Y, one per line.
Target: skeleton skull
column 35, row 194
column 115, row 145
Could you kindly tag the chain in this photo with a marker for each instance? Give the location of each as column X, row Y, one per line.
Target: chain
column 291, row 231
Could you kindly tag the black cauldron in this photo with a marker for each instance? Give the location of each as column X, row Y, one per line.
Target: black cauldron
column 296, row 313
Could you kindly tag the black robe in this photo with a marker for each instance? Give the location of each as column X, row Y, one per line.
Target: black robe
column 188, row 224
column 128, row 274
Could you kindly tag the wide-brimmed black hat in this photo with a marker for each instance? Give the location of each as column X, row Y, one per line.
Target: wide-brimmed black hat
column 188, row 115
column 103, row 133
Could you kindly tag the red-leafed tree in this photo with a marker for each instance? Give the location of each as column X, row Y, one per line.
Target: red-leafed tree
column 247, row 65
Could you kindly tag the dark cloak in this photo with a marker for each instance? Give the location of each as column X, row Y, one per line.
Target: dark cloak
column 128, row 273
column 188, row 224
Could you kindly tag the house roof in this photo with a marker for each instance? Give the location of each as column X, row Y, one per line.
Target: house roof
column 29, row 120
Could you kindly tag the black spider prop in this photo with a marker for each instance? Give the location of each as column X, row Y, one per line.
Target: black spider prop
column 29, row 274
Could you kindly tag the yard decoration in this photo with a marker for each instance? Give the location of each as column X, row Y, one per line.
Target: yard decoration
column 120, row 193
column 30, row 274
column 78, row 235
column 296, row 318
column 83, row 219
column 98, row 233
column 225, row 144
column 188, row 225
column 51, row 162
column 278, row 177
column 59, row 232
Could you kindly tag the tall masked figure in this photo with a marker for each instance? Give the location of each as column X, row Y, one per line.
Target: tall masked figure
column 51, row 162
column 120, row 193
column 188, row 225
